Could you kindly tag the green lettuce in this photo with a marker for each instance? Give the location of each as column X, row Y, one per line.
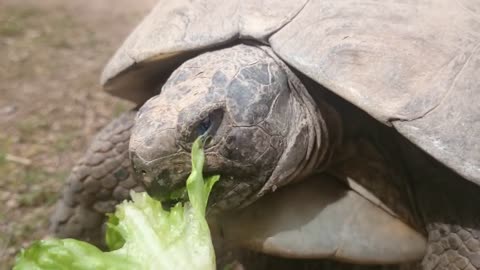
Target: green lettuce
column 140, row 234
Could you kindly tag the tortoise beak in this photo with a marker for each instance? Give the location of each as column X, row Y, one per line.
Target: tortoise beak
column 320, row 218
column 153, row 149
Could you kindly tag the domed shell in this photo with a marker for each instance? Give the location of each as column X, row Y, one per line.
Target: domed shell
column 413, row 65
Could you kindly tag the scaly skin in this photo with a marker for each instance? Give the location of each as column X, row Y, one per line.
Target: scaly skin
column 99, row 181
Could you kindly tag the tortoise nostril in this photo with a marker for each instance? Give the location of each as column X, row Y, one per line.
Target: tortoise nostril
column 146, row 179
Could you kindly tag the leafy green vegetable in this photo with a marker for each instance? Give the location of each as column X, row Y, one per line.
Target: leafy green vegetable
column 142, row 235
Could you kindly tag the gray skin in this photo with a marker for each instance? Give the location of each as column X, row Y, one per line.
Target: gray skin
column 270, row 128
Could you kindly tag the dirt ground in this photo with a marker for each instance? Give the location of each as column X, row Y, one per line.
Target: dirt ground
column 51, row 104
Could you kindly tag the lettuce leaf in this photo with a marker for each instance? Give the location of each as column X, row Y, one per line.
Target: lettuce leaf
column 141, row 234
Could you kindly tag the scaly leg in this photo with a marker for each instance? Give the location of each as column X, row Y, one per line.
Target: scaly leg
column 98, row 182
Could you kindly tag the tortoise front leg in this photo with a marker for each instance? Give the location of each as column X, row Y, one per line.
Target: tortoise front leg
column 452, row 215
column 449, row 206
column 452, row 247
column 98, row 182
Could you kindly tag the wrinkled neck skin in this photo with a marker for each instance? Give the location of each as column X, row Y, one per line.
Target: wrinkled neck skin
column 315, row 134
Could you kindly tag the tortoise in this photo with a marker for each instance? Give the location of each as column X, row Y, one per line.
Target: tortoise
column 346, row 130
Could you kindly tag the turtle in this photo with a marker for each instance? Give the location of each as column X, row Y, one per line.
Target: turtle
column 344, row 130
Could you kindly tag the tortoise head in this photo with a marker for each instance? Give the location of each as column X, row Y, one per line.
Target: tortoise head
column 264, row 128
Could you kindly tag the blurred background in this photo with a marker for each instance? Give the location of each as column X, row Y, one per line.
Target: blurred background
column 51, row 104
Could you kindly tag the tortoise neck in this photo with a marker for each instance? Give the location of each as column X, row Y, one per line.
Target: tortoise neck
column 315, row 132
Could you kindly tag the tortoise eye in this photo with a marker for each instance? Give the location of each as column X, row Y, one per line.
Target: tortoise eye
column 208, row 125
column 204, row 126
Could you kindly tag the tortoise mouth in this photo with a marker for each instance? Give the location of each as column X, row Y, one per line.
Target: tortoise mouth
column 320, row 218
column 234, row 191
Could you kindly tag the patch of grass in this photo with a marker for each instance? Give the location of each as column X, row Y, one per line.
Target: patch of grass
column 20, row 232
column 3, row 158
column 31, row 125
column 34, row 176
column 61, row 43
column 64, row 142
column 38, row 182
column 119, row 108
column 4, row 146
column 60, row 175
column 26, row 128
column 14, row 21
column 34, row 198
column 33, row 28
column 10, row 29
column 59, row 29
